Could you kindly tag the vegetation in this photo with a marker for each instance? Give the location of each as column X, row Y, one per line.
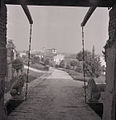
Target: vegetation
column 40, row 66
column 47, row 61
column 73, row 63
column 17, row 64
column 62, row 64
column 35, row 59
column 92, row 63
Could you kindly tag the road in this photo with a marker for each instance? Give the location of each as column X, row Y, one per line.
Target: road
column 58, row 97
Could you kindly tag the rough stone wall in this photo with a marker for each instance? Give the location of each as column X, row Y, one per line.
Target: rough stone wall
column 3, row 17
column 110, row 93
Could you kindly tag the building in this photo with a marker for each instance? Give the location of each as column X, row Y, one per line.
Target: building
column 58, row 58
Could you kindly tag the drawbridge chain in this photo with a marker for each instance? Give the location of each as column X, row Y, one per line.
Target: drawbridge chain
column 83, row 50
column 27, row 80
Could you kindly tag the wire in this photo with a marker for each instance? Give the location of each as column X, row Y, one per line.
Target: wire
column 27, row 80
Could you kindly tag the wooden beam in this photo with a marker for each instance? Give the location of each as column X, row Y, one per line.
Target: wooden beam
column 26, row 10
column 74, row 3
column 87, row 16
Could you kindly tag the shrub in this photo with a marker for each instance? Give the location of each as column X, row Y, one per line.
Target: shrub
column 62, row 64
column 68, row 66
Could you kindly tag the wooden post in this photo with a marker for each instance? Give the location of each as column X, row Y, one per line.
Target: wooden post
column 3, row 56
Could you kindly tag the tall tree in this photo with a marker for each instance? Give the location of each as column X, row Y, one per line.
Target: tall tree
column 92, row 64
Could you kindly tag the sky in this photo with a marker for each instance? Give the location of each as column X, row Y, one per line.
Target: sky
column 58, row 27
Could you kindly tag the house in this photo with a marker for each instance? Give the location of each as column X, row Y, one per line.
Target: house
column 58, row 58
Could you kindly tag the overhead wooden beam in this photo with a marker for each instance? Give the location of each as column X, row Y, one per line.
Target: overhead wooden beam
column 87, row 16
column 26, row 10
column 74, row 3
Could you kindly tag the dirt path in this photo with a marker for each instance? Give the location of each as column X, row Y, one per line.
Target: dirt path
column 58, row 97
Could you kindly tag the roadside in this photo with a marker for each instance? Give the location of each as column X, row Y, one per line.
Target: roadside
column 79, row 76
column 34, row 75
column 57, row 97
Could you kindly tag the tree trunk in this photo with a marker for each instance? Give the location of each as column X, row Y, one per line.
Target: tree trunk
column 3, row 56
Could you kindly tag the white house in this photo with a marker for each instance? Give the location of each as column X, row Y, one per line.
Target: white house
column 58, row 58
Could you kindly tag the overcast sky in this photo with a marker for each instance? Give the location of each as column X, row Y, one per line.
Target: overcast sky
column 58, row 27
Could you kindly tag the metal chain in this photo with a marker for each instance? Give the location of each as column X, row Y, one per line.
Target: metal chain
column 30, row 38
column 84, row 63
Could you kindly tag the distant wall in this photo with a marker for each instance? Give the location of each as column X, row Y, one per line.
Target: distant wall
column 110, row 93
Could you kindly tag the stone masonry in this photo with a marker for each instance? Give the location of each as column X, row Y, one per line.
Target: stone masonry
column 110, row 94
column 3, row 17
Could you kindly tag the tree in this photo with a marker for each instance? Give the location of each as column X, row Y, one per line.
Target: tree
column 17, row 64
column 79, row 56
column 92, row 64
column 47, row 61
column 35, row 59
column 62, row 64
column 79, row 67
column 73, row 63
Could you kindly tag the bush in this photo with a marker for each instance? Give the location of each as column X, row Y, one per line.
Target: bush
column 62, row 64
column 78, row 69
column 35, row 59
column 47, row 61
column 17, row 64
column 73, row 63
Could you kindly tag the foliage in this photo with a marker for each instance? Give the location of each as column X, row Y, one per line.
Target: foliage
column 79, row 67
column 17, row 64
column 68, row 66
column 47, row 61
column 92, row 64
column 35, row 59
column 73, row 63
column 86, row 55
column 18, row 85
column 62, row 64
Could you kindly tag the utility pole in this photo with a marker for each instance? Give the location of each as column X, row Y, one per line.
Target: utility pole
column 3, row 57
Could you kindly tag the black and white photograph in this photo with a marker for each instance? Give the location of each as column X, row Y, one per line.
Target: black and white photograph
column 57, row 59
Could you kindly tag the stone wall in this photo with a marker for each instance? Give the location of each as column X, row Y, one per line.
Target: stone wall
column 110, row 93
column 3, row 19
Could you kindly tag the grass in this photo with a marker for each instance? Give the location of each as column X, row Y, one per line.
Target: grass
column 76, row 75
column 79, row 76
column 39, row 67
column 97, row 107
column 33, row 75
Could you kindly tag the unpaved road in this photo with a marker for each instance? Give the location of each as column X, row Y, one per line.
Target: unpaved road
column 58, row 97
